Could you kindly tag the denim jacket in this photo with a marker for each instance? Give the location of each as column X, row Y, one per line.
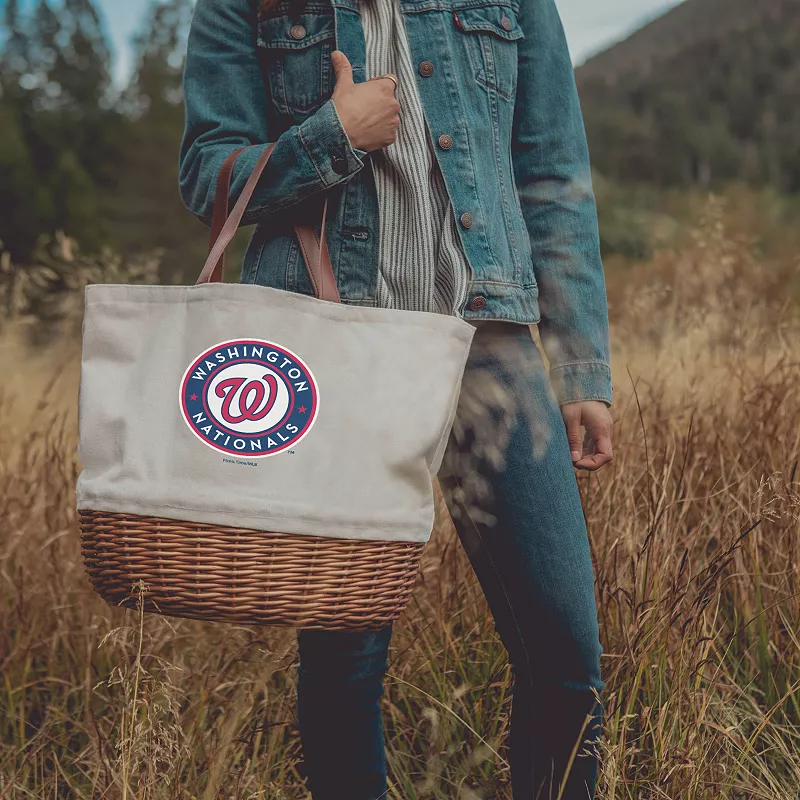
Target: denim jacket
column 495, row 75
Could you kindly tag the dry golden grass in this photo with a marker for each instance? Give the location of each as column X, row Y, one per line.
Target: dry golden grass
column 695, row 531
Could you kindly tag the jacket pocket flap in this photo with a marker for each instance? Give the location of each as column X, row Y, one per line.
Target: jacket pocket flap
column 282, row 33
column 499, row 20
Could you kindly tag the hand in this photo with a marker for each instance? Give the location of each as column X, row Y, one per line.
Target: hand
column 593, row 450
column 369, row 111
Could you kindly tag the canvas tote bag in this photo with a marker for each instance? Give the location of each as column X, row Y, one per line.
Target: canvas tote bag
column 256, row 455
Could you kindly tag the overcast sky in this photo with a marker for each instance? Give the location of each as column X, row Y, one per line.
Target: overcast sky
column 590, row 24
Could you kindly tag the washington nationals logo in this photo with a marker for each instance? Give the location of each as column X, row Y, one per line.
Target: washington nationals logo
column 249, row 397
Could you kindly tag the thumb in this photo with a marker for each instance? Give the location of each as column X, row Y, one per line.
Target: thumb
column 572, row 420
column 342, row 68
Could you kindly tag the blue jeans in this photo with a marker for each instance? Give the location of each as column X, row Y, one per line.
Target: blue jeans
column 510, row 459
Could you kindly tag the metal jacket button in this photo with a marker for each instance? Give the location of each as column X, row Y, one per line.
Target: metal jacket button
column 466, row 219
column 339, row 164
column 426, row 68
column 478, row 303
column 506, row 23
column 297, row 31
column 445, row 141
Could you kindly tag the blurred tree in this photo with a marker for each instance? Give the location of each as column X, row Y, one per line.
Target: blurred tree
column 148, row 208
column 14, row 55
column 79, row 157
column 60, row 130
column 705, row 95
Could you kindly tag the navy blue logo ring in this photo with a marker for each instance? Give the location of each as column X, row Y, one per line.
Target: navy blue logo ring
column 249, row 397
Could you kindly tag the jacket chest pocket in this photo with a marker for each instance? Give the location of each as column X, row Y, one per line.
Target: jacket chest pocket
column 491, row 35
column 298, row 58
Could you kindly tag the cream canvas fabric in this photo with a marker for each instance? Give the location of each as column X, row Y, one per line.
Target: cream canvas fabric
column 248, row 406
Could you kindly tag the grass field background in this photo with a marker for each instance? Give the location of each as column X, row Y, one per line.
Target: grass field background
column 695, row 532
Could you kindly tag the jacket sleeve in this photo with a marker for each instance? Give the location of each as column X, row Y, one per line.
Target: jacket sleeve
column 551, row 167
column 226, row 108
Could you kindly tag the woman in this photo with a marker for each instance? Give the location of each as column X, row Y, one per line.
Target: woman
column 448, row 139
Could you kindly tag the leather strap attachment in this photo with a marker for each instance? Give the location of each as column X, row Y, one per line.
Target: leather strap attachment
column 223, row 228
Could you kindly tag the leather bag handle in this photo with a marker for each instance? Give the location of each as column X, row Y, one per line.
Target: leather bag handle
column 224, row 227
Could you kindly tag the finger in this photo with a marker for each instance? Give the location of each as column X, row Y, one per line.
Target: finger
column 602, row 455
column 572, row 421
column 384, row 79
column 592, row 463
column 341, row 67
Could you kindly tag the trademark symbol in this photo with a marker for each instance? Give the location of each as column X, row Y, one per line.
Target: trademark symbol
column 291, row 452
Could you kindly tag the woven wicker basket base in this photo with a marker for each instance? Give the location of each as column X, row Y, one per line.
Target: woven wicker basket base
column 241, row 575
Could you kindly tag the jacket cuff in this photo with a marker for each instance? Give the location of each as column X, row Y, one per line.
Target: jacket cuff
column 328, row 146
column 582, row 380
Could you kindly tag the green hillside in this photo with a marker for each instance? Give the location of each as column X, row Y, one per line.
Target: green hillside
column 707, row 93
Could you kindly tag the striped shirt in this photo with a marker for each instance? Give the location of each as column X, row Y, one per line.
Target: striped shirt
column 422, row 266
